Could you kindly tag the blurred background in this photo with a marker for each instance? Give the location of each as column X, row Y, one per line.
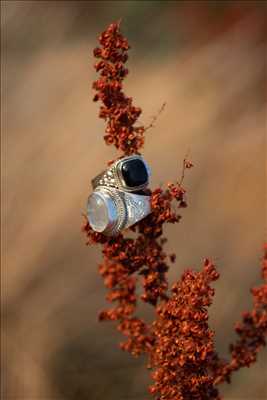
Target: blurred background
column 205, row 59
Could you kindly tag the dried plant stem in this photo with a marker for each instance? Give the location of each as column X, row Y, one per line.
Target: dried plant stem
column 179, row 343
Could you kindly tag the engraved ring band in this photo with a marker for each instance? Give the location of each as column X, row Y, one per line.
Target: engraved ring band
column 118, row 200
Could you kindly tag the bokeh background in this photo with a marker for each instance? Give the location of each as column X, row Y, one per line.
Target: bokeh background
column 205, row 59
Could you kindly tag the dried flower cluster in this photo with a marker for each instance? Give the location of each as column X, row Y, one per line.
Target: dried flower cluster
column 251, row 330
column 183, row 340
column 179, row 343
column 117, row 109
column 143, row 255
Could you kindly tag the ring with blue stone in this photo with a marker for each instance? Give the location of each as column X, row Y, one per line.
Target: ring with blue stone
column 118, row 200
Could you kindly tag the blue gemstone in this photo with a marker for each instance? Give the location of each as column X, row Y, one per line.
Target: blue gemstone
column 134, row 172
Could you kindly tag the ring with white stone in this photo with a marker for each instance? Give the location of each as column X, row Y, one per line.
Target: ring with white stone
column 130, row 174
column 110, row 210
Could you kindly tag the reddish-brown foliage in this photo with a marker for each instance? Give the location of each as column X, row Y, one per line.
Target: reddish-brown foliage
column 117, row 109
column 179, row 343
column 251, row 331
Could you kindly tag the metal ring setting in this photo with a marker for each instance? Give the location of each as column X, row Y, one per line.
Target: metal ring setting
column 114, row 204
column 129, row 173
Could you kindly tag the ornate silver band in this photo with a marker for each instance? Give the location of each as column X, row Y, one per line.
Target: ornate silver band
column 129, row 173
column 116, row 202
column 111, row 210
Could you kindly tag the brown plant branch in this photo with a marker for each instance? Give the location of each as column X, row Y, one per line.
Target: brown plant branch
column 179, row 343
column 155, row 117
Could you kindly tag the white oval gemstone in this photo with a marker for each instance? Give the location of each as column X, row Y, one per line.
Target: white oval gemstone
column 101, row 211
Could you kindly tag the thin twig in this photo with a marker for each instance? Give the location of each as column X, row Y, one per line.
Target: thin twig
column 155, row 117
column 185, row 166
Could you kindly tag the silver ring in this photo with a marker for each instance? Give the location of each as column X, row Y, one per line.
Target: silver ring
column 129, row 173
column 114, row 204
